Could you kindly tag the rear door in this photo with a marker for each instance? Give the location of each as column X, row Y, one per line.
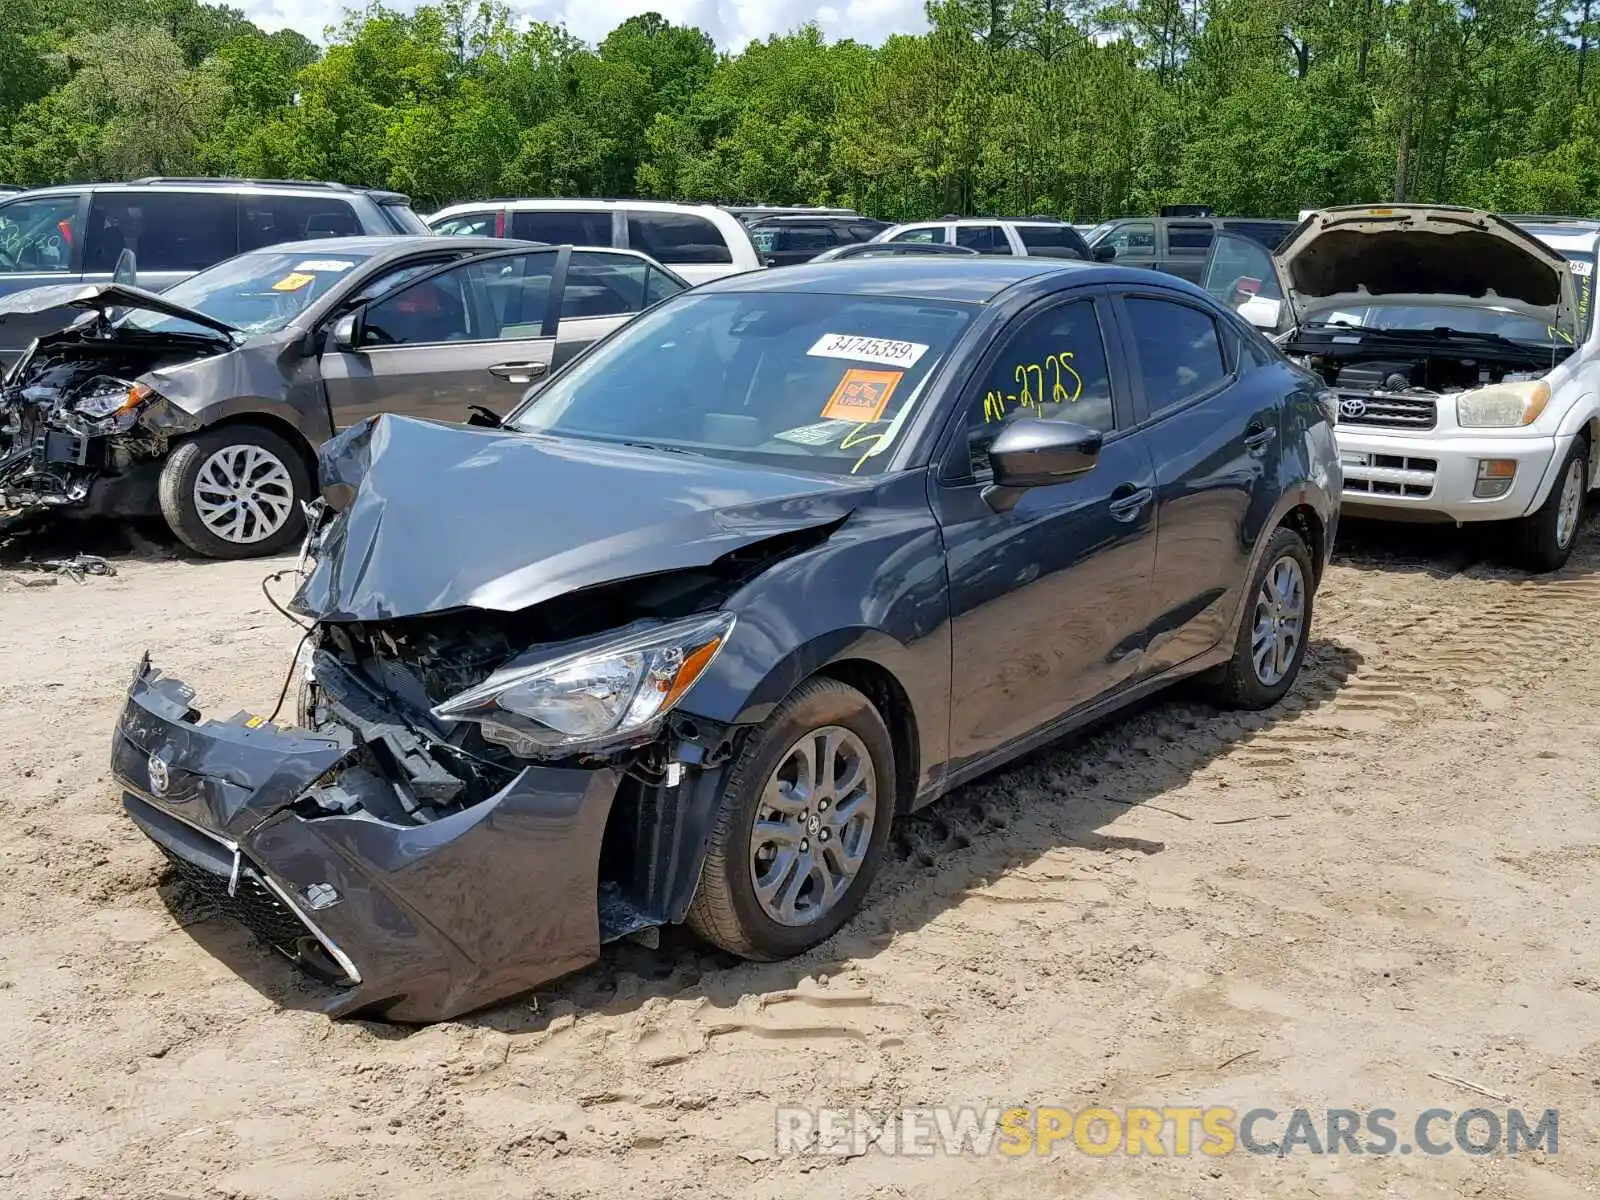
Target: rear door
column 1211, row 411
column 605, row 291
column 1187, row 244
column 474, row 332
column 172, row 234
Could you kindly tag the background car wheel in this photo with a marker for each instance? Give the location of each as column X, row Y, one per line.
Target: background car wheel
column 235, row 492
column 1543, row 539
column 1272, row 634
column 802, row 828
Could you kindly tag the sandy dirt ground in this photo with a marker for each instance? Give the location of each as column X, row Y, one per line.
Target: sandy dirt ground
column 1391, row 878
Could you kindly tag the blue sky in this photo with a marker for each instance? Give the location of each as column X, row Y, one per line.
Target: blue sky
column 731, row 23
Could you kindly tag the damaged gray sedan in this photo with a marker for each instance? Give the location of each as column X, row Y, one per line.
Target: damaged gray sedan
column 791, row 554
column 204, row 404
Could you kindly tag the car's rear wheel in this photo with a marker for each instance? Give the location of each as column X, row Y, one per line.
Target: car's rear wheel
column 1543, row 539
column 802, row 827
column 235, row 492
column 1271, row 643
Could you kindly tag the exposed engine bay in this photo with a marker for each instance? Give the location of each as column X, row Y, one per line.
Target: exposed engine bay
column 72, row 411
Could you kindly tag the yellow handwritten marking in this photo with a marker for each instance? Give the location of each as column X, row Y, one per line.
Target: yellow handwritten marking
column 859, row 437
column 1030, row 381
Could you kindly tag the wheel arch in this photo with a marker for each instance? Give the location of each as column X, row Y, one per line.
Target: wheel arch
column 279, row 425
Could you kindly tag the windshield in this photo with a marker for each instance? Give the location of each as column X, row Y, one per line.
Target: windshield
column 260, row 292
column 1458, row 318
column 813, row 382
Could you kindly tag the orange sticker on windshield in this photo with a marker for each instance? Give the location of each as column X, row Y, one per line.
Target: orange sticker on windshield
column 861, row 395
column 293, row 282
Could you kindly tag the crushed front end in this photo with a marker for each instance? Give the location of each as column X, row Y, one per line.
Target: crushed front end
column 80, row 430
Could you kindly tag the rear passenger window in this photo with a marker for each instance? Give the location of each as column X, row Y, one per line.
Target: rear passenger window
column 1051, row 241
column 670, row 237
column 603, row 285
column 268, row 220
column 479, row 224
column 985, row 239
column 1053, row 367
column 1179, row 354
column 167, row 231
column 563, row 228
column 1192, row 239
column 813, row 238
column 659, row 286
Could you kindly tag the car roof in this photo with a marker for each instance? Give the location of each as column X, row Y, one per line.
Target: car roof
column 581, row 203
column 975, row 279
column 379, row 243
column 309, row 187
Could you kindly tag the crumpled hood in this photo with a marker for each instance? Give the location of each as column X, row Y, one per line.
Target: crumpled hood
column 1348, row 256
column 434, row 517
column 103, row 297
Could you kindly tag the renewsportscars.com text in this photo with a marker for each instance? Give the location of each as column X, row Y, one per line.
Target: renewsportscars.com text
column 1167, row 1131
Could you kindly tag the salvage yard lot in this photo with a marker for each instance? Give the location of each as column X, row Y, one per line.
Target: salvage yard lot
column 1392, row 875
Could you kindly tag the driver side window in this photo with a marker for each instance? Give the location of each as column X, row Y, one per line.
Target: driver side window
column 482, row 300
column 1053, row 367
column 36, row 235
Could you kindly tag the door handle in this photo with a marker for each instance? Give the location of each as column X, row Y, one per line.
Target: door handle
column 1128, row 506
column 1257, row 436
column 519, row 372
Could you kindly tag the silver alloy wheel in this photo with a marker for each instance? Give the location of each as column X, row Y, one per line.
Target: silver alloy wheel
column 243, row 493
column 1279, row 620
column 1571, row 503
column 813, row 826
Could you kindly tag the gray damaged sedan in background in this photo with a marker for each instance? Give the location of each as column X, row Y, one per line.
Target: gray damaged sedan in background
column 204, row 404
column 794, row 553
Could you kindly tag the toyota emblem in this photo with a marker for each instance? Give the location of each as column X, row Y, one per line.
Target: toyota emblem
column 1352, row 406
column 160, row 778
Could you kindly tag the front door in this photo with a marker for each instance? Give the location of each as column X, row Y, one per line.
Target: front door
column 1048, row 600
column 1211, row 407
column 475, row 332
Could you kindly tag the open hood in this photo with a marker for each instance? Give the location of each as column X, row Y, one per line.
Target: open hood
column 1347, row 257
column 103, row 297
column 433, row 517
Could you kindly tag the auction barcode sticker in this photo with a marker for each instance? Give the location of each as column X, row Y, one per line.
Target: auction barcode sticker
column 868, row 349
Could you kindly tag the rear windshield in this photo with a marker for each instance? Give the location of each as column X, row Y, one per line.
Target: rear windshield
column 807, row 381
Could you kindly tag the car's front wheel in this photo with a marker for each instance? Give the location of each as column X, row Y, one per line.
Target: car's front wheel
column 802, row 827
column 1543, row 539
column 235, row 492
column 1271, row 643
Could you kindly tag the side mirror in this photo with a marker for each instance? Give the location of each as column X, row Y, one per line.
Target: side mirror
column 1264, row 314
column 345, row 333
column 1104, row 252
column 1032, row 453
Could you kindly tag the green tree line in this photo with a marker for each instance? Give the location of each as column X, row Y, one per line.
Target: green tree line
column 1075, row 107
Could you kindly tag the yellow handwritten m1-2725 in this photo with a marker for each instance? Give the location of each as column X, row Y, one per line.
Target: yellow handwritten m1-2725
column 1066, row 385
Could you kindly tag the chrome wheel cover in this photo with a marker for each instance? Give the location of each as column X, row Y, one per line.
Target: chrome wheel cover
column 243, row 494
column 813, row 826
column 1279, row 621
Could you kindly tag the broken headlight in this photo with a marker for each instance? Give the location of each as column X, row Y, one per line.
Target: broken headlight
column 609, row 693
column 1502, row 405
column 104, row 397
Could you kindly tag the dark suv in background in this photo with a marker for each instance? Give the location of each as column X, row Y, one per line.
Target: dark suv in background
column 785, row 240
column 1179, row 245
column 174, row 227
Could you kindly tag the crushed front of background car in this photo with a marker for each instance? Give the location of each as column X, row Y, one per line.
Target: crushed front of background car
column 79, row 431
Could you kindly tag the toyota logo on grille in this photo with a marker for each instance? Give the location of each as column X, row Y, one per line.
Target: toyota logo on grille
column 1352, row 406
column 160, row 778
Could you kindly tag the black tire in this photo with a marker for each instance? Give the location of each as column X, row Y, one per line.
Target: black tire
column 181, row 472
column 726, row 910
column 1535, row 539
column 1237, row 684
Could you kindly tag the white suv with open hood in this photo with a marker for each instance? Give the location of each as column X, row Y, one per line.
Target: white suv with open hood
column 1459, row 352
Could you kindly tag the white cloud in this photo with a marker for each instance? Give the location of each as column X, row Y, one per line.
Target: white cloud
column 731, row 23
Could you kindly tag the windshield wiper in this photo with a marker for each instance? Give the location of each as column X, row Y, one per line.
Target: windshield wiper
column 1438, row 333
